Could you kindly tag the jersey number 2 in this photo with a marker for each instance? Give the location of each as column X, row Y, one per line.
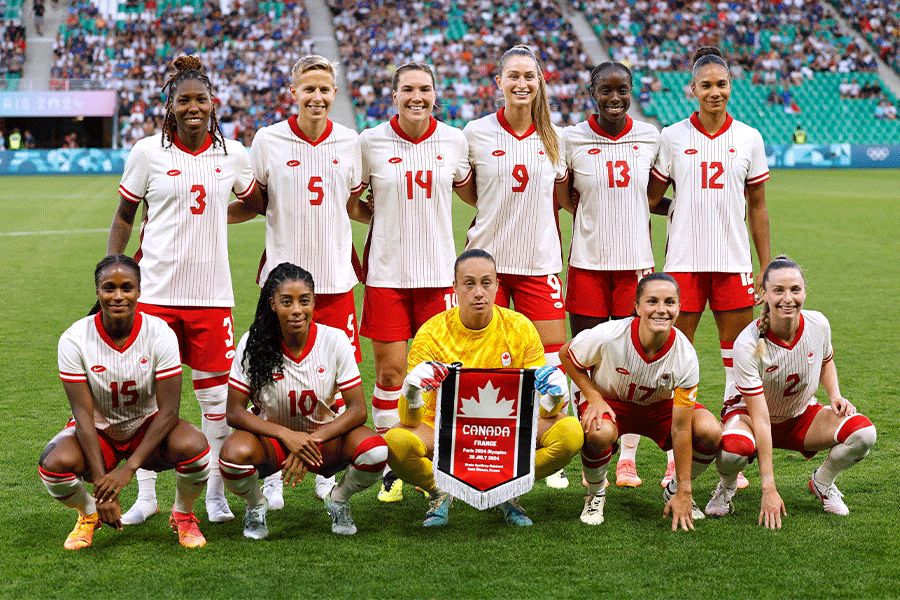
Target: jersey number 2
column 198, row 202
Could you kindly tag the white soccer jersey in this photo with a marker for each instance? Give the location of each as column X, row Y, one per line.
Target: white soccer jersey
column 623, row 372
column 410, row 241
column 308, row 184
column 122, row 380
column 787, row 374
column 707, row 231
column 300, row 398
column 516, row 221
column 184, row 240
column 611, row 228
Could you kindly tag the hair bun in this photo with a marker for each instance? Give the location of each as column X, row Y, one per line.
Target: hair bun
column 188, row 63
column 707, row 51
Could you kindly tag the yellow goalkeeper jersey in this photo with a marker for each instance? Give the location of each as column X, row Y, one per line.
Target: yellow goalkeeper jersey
column 509, row 341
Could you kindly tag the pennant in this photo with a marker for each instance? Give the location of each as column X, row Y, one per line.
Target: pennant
column 485, row 430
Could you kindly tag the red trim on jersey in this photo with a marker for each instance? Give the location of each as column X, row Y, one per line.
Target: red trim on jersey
column 352, row 383
column 246, row 192
column 180, row 145
column 757, row 391
column 563, row 178
column 464, row 180
column 828, row 358
column 595, row 126
column 167, row 373
column 774, row 339
column 659, row 175
column 73, row 377
column 232, row 382
column 636, row 341
column 209, row 382
column 262, row 263
column 395, row 125
column 358, row 189
column 575, row 360
column 501, row 118
column 310, row 342
column 329, row 126
column 129, row 196
column 758, row 179
column 135, row 330
column 695, row 121
column 140, row 253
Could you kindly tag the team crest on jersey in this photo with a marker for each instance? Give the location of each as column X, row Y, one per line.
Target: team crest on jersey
column 811, row 357
column 635, row 149
column 498, row 153
column 732, row 152
column 439, row 159
column 144, row 364
column 542, row 155
column 665, row 380
column 505, row 359
column 218, row 172
column 320, row 372
column 772, row 369
column 98, row 369
column 594, row 151
column 173, row 173
column 335, row 163
column 622, row 371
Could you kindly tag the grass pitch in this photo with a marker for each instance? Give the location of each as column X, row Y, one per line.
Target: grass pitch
column 841, row 226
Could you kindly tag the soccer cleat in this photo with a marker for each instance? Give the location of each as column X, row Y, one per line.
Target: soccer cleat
column 185, row 525
column 720, row 504
column 438, row 513
column 83, row 534
column 670, row 473
column 626, row 474
column 324, row 485
column 696, row 513
column 142, row 509
column 217, row 509
column 558, row 480
column 830, row 497
column 255, row 521
column 341, row 521
column 273, row 490
column 391, row 490
column 592, row 514
column 742, row 481
column 514, row 513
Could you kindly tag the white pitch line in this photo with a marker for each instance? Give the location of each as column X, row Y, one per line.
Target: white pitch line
column 55, row 232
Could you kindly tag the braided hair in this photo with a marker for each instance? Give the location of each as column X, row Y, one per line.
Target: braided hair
column 780, row 262
column 188, row 67
column 263, row 356
column 116, row 259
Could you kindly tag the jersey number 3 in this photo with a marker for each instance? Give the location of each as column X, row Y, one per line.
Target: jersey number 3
column 198, row 201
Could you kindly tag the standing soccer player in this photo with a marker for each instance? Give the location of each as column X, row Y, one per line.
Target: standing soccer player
column 718, row 168
column 610, row 156
column 779, row 361
column 412, row 163
column 309, row 168
column 184, row 178
column 122, row 375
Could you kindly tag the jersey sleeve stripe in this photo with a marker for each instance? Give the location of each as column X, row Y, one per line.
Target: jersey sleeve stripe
column 659, row 175
column 73, row 377
column 574, row 360
column 758, row 179
column 464, row 180
column 128, row 195
column 246, row 192
column 563, row 178
column 828, row 358
column 241, row 387
column 352, row 383
column 358, row 189
column 167, row 373
column 750, row 391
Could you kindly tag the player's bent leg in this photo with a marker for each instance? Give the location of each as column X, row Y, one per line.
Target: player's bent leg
column 186, row 447
column 211, row 389
column 626, row 470
column 146, row 504
column 559, row 440
column 240, row 455
column 852, row 437
column 368, row 455
column 707, row 438
column 408, row 455
column 596, row 454
column 738, row 446
column 58, row 465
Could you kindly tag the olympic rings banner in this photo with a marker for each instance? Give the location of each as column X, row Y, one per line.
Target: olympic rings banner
column 485, row 430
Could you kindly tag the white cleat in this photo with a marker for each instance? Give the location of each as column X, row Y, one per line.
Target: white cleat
column 696, row 513
column 255, row 521
column 720, row 504
column 341, row 521
column 558, row 480
column 592, row 514
column 142, row 509
column 273, row 490
column 217, row 509
column 324, row 485
column 830, row 497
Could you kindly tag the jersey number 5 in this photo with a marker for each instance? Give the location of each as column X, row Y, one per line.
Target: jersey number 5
column 198, row 202
column 315, row 186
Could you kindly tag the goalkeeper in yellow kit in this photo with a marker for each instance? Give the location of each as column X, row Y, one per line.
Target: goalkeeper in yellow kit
column 477, row 334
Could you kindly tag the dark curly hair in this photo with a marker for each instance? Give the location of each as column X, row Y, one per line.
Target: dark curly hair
column 189, row 67
column 262, row 356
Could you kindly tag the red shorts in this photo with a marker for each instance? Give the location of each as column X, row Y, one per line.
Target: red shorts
column 653, row 420
column 339, row 311
column 789, row 434
column 205, row 334
column 725, row 291
column 331, row 462
column 395, row 314
column 602, row 294
column 539, row 298
column 115, row 451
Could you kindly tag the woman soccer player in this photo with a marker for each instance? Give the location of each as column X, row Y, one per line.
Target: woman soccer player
column 610, row 156
column 718, row 167
column 290, row 367
column 779, row 361
column 645, row 375
column 310, row 170
column 184, row 178
column 412, row 163
column 478, row 334
column 122, row 374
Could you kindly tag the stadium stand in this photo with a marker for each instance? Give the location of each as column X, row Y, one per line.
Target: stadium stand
column 14, row 47
column 879, row 22
column 463, row 40
column 248, row 56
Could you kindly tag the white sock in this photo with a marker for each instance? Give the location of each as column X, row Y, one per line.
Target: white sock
column 595, row 467
column 190, row 478
column 384, row 408
column 70, row 490
column 211, row 390
column 728, row 363
column 146, row 481
column 364, row 470
column 629, row 443
column 858, row 438
column 242, row 481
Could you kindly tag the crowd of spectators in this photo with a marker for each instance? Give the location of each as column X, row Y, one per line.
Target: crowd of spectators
column 13, row 50
column 879, row 21
column 247, row 54
column 464, row 41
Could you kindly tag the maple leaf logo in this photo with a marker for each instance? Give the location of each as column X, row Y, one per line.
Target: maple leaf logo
column 488, row 405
